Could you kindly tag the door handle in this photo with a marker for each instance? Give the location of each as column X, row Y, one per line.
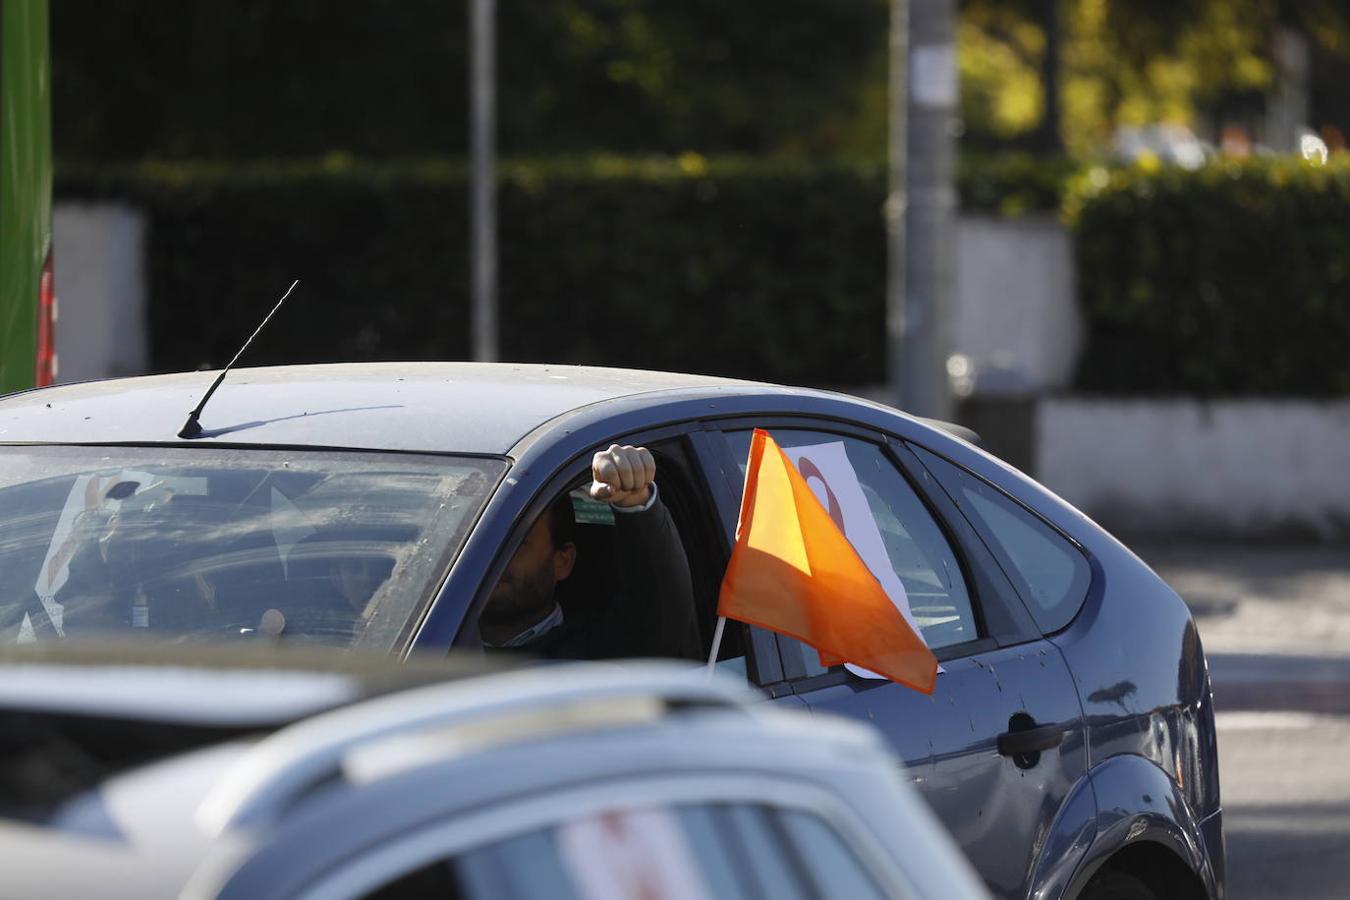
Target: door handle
column 1026, row 741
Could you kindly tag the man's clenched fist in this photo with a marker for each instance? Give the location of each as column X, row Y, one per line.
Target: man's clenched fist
column 622, row 476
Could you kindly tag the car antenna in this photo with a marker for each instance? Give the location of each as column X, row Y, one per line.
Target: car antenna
column 192, row 427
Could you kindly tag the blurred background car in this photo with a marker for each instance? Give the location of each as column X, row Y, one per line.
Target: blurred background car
column 1068, row 745
column 141, row 773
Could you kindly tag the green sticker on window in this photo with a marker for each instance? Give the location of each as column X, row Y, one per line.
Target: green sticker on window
column 591, row 512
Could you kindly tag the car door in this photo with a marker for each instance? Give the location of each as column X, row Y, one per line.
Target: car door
column 999, row 744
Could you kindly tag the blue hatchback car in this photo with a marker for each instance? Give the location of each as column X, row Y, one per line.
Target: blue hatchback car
column 1069, row 744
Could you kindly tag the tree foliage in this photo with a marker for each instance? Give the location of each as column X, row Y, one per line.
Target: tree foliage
column 1129, row 62
column 143, row 79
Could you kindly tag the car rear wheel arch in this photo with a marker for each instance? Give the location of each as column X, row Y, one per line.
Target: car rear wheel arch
column 1145, row 870
column 1146, row 829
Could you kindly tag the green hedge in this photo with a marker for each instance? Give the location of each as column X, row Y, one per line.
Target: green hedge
column 1012, row 183
column 1232, row 279
column 734, row 267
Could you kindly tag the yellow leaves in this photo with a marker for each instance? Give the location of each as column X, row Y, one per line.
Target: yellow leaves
column 1148, row 163
column 1090, row 15
column 1253, row 71
column 692, row 164
column 1120, row 65
column 1000, row 86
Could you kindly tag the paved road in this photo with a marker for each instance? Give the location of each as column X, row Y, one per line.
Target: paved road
column 1276, row 627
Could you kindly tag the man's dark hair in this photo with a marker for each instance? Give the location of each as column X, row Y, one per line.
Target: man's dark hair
column 562, row 523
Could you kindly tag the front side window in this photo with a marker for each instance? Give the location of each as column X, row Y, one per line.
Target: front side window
column 213, row 543
column 892, row 530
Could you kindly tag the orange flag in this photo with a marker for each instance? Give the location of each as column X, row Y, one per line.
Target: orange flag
column 793, row 571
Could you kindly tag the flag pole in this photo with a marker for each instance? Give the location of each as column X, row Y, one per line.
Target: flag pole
column 717, row 643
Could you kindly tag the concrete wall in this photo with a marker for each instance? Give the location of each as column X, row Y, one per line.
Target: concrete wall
column 1016, row 315
column 99, row 259
column 1223, row 469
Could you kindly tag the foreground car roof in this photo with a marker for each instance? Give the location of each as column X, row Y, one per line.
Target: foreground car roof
column 464, row 407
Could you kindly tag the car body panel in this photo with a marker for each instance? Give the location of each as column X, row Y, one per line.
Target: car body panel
column 47, row 872
column 1136, row 658
column 1141, row 673
column 1216, row 850
column 1066, row 844
column 983, row 798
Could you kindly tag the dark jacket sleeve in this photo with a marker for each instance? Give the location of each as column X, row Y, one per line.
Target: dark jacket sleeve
column 653, row 606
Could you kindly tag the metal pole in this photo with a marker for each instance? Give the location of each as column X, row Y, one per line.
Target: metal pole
column 930, row 208
column 896, row 321
column 482, row 189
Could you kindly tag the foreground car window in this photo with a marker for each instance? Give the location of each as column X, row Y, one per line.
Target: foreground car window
column 207, row 543
column 692, row 851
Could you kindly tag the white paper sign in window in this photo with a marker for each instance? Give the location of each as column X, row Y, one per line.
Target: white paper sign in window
column 622, row 854
column 832, row 479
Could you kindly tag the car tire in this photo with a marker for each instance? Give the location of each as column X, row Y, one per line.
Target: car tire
column 1112, row 884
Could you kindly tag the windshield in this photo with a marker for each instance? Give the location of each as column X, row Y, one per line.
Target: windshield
column 209, row 543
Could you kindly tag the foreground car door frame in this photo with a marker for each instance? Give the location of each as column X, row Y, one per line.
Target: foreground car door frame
column 300, row 862
column 1002, row 809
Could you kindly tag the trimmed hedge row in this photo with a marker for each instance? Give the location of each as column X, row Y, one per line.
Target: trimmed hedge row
column 1230, row 280
column 1233, row 279
column 729, row 267
column 1012, row 183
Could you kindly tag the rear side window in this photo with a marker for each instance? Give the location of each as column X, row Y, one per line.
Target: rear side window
column 1050, row 573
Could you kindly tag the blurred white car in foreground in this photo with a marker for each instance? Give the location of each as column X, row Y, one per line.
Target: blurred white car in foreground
column 201, row 775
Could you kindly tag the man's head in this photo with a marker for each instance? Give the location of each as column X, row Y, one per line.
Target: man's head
column 524, row 594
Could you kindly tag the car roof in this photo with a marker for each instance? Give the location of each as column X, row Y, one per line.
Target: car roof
column 480, row 408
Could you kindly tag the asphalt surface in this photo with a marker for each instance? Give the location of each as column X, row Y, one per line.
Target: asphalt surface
column 1275, row 623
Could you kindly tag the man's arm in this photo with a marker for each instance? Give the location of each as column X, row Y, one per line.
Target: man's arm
column 654, row 610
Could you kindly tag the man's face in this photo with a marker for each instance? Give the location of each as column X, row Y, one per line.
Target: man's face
column 526, row 587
